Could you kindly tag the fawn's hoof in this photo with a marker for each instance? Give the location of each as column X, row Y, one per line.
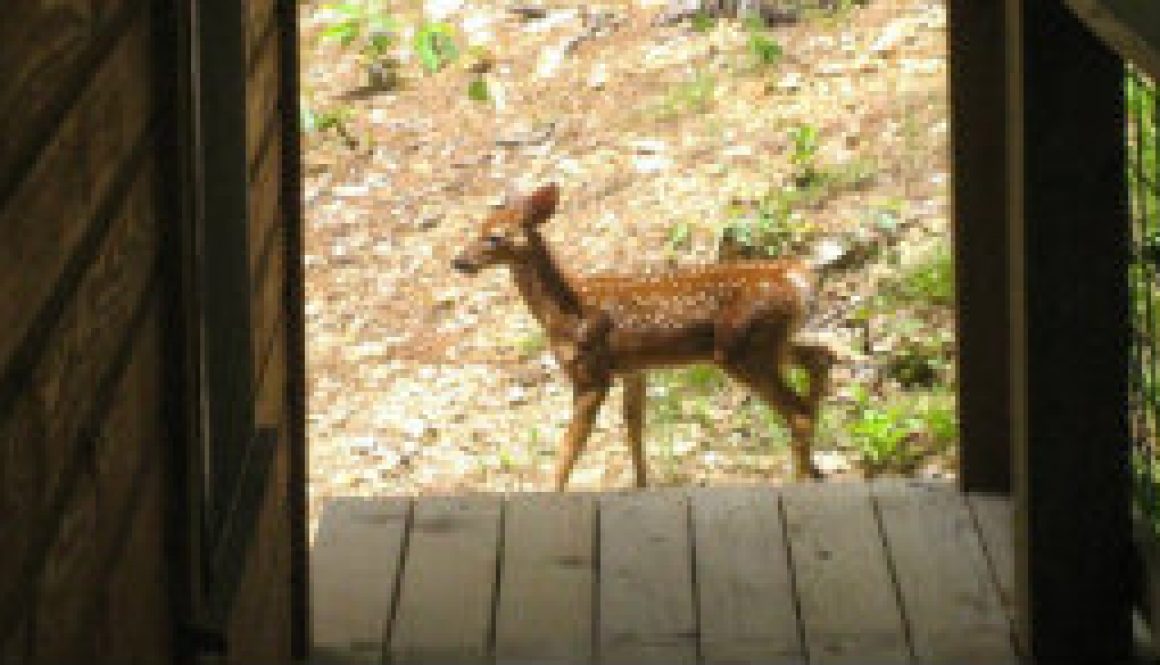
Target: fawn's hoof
column 808, row 472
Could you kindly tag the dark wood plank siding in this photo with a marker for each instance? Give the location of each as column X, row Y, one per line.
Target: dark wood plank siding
column 81, row 431
column 94, row 121
column 47, row 50
column 259, row 626
column 84, row 570
column 260, row 623
column 978, row 89
column 1070, row 338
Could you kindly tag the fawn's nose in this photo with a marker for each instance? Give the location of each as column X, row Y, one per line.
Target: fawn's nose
column 463, row 265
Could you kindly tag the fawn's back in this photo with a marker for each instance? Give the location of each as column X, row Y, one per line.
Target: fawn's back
column 680, row 316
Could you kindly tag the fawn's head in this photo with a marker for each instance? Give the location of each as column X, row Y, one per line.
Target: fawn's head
column 505, row 236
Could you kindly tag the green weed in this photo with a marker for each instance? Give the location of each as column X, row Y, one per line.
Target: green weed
column 772, row 229
column 478, row 91
column 940, row 420
column 764, row 49
column 680, row 236
column 931, row 281
column 696, row 95
column 880, row 434
column 434, row 44
column 532, row 344
column 921, row 359
column 703, row 22
column 368, row 23
column 805, row 146
column 335, row 120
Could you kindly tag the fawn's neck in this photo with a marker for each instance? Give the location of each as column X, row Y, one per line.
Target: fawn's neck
column 545, row 289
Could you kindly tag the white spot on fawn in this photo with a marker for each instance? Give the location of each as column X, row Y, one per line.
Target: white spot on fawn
column 802, row 284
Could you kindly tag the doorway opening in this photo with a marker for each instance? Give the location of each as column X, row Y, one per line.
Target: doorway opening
column 676, row 137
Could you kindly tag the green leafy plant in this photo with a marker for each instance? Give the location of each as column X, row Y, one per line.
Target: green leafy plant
column 914, row 365
column 881, row 435
column 349, row 22
column 921, row 359
column 766, row 51
column 368, row 23
column 931, row 281
column 771, row 229
column 680, row 236
column 805, row 140
column 435, row 46
column 695, row 95
column 478, row 91
column 703, row 22
column 532, row 344
column 335, row 120
column 805, row 145
column 940, row 421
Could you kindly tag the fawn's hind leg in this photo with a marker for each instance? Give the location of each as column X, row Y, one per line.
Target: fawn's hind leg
column 817, row 358
column 752, row 367
column 634, row 394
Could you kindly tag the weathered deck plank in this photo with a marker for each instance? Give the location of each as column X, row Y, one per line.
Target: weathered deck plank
column 993, row 515
column 833, row 573
column 356, row 560
column 849, row 607
column 544, row 613
column 744, row 582
column 445, row 604
column 951, row 603
column 646, row 580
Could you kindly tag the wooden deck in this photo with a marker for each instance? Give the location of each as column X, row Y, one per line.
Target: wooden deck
column 872, row 574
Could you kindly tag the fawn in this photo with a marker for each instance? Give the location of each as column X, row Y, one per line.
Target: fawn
column 741, row 316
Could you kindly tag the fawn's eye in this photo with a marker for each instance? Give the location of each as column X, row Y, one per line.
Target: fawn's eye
column 494, row 240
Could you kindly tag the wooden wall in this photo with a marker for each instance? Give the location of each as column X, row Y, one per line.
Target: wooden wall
column 83, row 438
column 96, row 320
column 259, row 628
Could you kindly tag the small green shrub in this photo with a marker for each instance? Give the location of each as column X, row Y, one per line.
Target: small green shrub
column 764, row 49
column 703, row 22
column 335, row 120
column 805, row 145
column 881, row 434
column 880, row 437
column 478, row 91
column 680, row 236
column 532, row 344
column 920, row 360
column 931, row 281
column 941, row 421
column 770, row 229
column 696, row 95
column 368, row 23
column 435, row 46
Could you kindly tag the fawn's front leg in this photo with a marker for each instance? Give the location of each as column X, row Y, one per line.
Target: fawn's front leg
column 634, row 393
column 586, row 401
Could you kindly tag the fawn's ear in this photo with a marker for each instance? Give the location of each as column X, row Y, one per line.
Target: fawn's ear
column 541, row 204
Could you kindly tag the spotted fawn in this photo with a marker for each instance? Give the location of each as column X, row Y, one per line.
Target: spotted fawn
column 742, row 316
